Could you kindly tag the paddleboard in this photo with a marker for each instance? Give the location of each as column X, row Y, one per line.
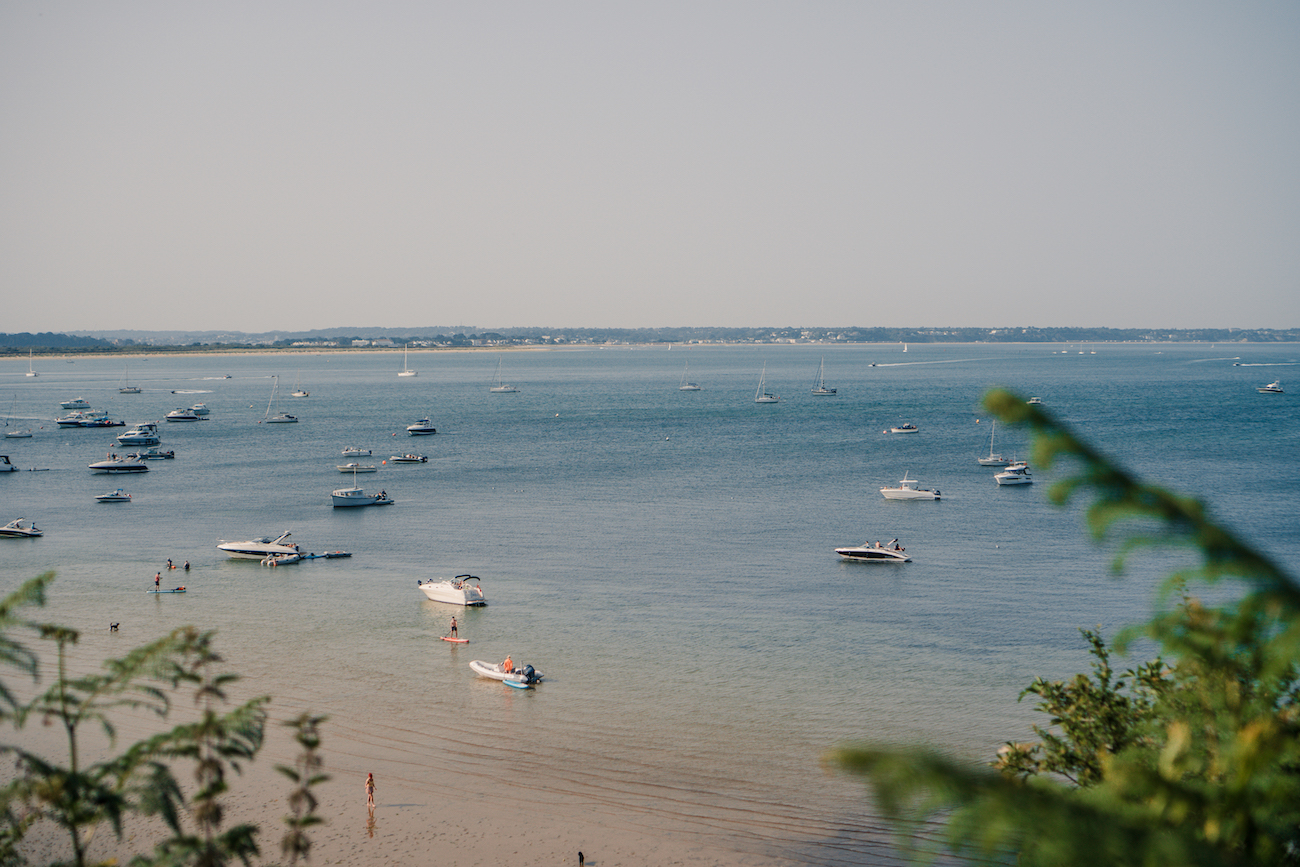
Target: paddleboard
column 177, row 590
column 455, row 640
column 517, row 684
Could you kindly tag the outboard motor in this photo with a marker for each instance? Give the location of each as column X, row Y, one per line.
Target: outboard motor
column 529, row 674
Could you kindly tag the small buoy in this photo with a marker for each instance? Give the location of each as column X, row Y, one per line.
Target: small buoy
column 381, row 463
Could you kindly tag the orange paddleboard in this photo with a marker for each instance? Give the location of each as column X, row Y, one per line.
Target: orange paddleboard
column 455, row 640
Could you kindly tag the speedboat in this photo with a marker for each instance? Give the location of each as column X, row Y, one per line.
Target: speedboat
column 408, row 459
column 199, row 409
column 356, row 468
column 877, row 553
column 258, row 549
column 524, row 676
column 5, row 466
column 355, row 452
column 423, row 427
column 118, row 496
column 1016, row 474
column 21, row 528
column 124, row 464
column 73, row 419
column 181, row 414
column 104, row 421
column 454, row 591
column 1035, row 401
column 76, row 403
column 906, row 427
column 352, row 497
column 153, row 454
column 1274, row 387
column 143, row 434
column 909, row 490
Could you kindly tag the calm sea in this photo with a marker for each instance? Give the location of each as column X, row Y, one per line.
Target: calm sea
column 665, row 557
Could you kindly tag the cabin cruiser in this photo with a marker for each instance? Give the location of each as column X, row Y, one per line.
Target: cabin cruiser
column 143, row 434
column 200, row 409
column 423, row 427
column 104, row 421
column 355, row 452
column 181, row 414
column 5, row 466
column 356, row 468
column 906, row 427
column 352, row 497
column 1036, row 401
column 877, row 553
column 76, row 403
column 118, row 496
column 1274, row 387
column 454, row 591
column 909, row 490
column 153, row 454
column 124, row 464
column 1016, row 474
column 81, row 418
column 408, row 459
column 21, row 528
column 259, row 549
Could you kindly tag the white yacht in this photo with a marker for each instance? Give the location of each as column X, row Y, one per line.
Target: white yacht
column 5, row 466
column 908, row 489
column 30, row 371
column 118, row 496
column 421, row 428
column 501, row 387
column 406, row 371
column 21, row 528
column 687, row 385
column 355, row 452
column 280, row 417
column 354, row 496
column 1016, row 474
column 454, row 591
column 877, row 553
column 143, row 434
column 356, row 468
column 76, row 403
column 1274, row 387
column 763, row 395
column 819, row 386
column 153, row 454
column 258, row 549
column 905, row 428
column 408, row 459
column 181, row 414
column 124, row 464
column 200, row 409
column 994, row 459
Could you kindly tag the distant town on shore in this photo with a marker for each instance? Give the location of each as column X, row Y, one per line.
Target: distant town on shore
column 463, row 337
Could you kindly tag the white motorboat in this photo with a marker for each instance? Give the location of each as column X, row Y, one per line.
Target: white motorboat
column 118, row 496
column 80, row 418
column 408, row 459
column 280, row 417
column 1274, row 387
column 1016, row 474
column 406, row 371
column 153, row 454
column 763, row 395
column 21, row 528
column 5, row 466
column 357, row 468
column 1035, row 401
column 454, row 591
column 355, row 452
column 143, row 434
column 94, row 419
column 524, row 676
column 994, row 459
column 76, row 403
column 181, row 414
column 23, row 434
column 905, row 428
column 124, row 464
column 200, row 409
column 501, row 387
column 354, row 496
column 908, row 489
column 421, row 428
column 257, row 549
column 687, row 385
column 890, row 552
column 819, row 386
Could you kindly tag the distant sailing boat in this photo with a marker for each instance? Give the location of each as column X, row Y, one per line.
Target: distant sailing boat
column 994, row 459
column 687, row 385
column 297, row 389
column 127, row 387
column 406, row 371
column 279, row 418
column 763, row 395
column 15, row 433
column 820, row 386
column 501, row 387
column 30, row 372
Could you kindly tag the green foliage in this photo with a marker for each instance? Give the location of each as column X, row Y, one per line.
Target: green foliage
column 78, row 795
column 304, row 773
column 1191, row 762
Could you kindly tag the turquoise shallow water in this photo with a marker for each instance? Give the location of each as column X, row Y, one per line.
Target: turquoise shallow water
column 664, row 556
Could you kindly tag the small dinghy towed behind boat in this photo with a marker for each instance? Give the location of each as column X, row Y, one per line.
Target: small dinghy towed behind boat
column 877, row 553
column 454, row 591
column 520, row 678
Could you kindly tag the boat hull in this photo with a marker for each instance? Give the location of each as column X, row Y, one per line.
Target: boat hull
column 454, row 592
column 353, row 498
column 873, row 554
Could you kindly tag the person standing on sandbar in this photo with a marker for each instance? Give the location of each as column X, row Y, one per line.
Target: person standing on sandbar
column 370, row 790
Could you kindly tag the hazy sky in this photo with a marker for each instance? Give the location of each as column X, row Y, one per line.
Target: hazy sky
column 260, row 165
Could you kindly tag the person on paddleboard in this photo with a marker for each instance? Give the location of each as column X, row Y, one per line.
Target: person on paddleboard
column 453, row 627
column 157, row 581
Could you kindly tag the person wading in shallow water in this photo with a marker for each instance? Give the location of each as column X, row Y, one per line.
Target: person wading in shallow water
column 370, row 790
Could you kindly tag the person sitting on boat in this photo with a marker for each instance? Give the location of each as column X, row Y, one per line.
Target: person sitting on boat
column 509, row 665
column 383, row 495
